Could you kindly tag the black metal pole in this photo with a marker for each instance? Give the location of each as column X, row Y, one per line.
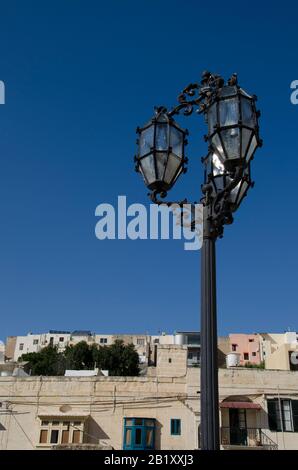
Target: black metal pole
column 209, row 367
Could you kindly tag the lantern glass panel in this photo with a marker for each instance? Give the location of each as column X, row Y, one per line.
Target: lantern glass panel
column 229, row 112
column 238, row 192
column 216, row 142
column 172, row 166
column 217, row 166
column 252, row 148
column 161, row 161
column 161, row 138
column 246, row 135
column 245, row 94
column 146, row 140
column 177, row 175
column 228, row 91
column 242, row 191
column 148, row 168
column 212, row 118
column 234, row 193
column 231, row 140
column 248, row 115
column 162, row 118
column 176, row 141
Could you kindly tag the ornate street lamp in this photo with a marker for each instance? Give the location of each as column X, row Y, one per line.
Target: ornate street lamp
column 233, row 137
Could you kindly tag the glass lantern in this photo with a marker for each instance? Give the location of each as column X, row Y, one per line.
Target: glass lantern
column 160, row 157
column 233, row 131
column 221, row 179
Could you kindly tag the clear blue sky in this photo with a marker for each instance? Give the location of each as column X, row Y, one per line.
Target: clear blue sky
column 80, row 76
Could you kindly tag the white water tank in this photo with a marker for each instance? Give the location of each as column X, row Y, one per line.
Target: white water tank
column 6, row 373
column 179, row 339
column 233, row 359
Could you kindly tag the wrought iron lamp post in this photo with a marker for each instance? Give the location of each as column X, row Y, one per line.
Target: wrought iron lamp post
column 233, row 137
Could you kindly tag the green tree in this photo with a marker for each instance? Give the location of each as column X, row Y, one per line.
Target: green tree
column 48, row 361
column 79, row 356
column 118, row 359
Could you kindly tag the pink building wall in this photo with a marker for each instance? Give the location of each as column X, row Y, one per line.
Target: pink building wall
column 247, row 346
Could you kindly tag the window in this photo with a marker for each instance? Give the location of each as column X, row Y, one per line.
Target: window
column 156, row 341
column 138, row 421
column 43, row 436
column 287, row 415
column 103, row 340
column 190, row 355
column 149, row 422
column 251, row 340
column 61, row 339
column 149, row 436
column 76, row 436
column 65, row 436
column 254, row 354
column 175, row 427
column 61, row 432
column 283, row 415
column 170, row 360
column 127, row 439
column 193, row 339
column 54, row 436
column 140, row 341
column 246, row 356
column 139, row 434
column 35, row 342
column 234, row 347
column 21, row 347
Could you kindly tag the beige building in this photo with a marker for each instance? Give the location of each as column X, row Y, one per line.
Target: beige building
column 10, row 347
column 140, row 342
column 247, row 347
column 279, row 350
column 258, row 409
column 18, row 345
column 2, row 352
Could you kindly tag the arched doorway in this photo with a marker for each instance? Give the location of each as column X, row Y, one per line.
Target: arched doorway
column 238, row 415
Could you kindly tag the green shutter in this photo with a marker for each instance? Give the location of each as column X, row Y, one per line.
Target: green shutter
column 295, row 414
column 175, row 427
column 272, row 419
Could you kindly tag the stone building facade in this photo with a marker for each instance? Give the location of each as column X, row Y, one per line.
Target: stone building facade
column 258, row 409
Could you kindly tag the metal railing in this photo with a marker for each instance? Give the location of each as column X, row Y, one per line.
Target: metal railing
column 249, row 437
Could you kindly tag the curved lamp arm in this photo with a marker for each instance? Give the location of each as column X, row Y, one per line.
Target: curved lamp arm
column 163, row 194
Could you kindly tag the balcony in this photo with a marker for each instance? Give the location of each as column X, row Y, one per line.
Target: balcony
column 247, row 438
